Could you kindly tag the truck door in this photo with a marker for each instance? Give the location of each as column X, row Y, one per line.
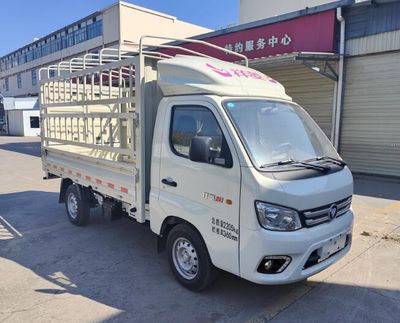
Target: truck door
column 206, row 194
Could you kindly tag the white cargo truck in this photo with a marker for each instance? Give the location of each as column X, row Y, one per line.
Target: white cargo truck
column 227, row 170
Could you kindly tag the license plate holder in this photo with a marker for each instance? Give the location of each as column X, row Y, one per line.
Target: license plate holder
column 334, row 245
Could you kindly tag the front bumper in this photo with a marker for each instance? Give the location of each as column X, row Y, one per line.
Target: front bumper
column 299, row 245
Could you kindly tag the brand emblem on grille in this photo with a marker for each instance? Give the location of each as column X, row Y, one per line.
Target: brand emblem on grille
column 332, row 211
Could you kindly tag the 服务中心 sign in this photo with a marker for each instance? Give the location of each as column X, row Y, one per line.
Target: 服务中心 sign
column 309, row 33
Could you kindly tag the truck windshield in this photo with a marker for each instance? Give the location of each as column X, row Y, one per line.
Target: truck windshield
column 275, row 132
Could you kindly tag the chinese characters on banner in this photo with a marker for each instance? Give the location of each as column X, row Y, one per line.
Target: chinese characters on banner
column 258, row 44
column 308, row 33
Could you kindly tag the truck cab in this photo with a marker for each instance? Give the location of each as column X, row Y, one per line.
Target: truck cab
column 228, row 171
column 250, row 170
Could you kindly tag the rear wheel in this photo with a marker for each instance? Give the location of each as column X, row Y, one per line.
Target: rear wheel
column 189, row 259
column 78, row 208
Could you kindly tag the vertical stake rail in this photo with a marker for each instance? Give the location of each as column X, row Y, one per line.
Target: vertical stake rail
column 72, row 128
column 101, row 83
column 140, row 141
column 92, row 86
column 58, row 89
column 53, row 89
column 47, row 133
column 77, row 88
column 84, row 134
column 93, row 136
column 70, row 89
column 130, row 86
column 101, row 131
column 84, row 88
column 79, row 128
column 109, row 83
column 65, row 90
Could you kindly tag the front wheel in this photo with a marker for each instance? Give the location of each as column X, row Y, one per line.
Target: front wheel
column 78, row 209
column 189, row 259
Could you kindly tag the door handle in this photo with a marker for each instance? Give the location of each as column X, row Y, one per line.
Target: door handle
column 169, row 182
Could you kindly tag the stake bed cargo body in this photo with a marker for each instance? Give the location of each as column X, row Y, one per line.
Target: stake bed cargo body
column 91, row 130
column 229, row 172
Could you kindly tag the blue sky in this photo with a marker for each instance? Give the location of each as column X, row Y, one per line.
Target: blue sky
column 22, row 20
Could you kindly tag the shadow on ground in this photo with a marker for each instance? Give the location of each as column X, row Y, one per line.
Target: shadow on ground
column 28, row 148
column 116, row 264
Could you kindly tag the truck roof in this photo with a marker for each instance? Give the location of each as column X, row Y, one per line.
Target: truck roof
column 183, row 75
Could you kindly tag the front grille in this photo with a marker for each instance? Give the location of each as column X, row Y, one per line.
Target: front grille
column 321, row 214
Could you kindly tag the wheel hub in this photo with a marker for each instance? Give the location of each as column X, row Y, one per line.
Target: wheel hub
column 72, row 206
column 185, row 258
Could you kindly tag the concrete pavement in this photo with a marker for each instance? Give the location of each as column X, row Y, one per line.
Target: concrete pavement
column 110, row 271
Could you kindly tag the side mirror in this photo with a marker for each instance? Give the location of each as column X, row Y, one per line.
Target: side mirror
column 200, row 149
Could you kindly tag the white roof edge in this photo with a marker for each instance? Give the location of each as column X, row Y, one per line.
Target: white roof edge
column 139, row 8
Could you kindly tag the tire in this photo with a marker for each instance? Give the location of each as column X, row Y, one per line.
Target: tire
column 189, row 259
column 78, row 208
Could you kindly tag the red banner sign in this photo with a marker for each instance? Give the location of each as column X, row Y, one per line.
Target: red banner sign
column 311, row 33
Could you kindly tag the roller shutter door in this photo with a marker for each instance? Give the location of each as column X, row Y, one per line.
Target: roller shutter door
column 311, row 90
column 370, row 137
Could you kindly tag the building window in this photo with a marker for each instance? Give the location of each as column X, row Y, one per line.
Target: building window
column 52, row 73
column 80, row 35
column 34, row 122
column 29, row 55
column 21, row 59
column 7, row 84
column 94, row 29
column 37, row 52
column 67, row 38
column 45, row 49
column 19, row 81
column 58, row 44
column 34, row 78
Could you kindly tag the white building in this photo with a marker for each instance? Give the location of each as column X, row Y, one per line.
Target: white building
column 252, row 10
column 21, row 116
column 111, row 27
column 23, row 122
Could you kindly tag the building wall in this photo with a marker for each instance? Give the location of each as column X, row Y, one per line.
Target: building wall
column 370, row 135
column 15, row 122
column 388, row 41
column 253, row 10
column 137, row 21
column 19, row 122
column 111, row 25
column 366, row 20
column 372, row 29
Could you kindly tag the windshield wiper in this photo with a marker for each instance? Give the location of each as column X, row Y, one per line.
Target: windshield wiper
column 297, row 163
column 279, row 163
column 313, row 166
column 333, row 160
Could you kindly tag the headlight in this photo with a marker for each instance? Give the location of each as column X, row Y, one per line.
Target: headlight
column 277, row 218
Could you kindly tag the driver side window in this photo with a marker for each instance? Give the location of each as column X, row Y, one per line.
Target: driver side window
column 198, row 122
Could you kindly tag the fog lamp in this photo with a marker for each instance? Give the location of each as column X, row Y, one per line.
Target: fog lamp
column 273, row 264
